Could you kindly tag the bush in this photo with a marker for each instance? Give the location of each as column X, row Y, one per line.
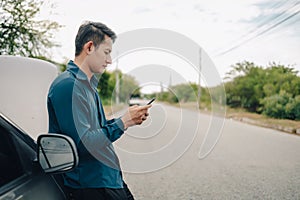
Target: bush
column 293, row 108
column 282, row 106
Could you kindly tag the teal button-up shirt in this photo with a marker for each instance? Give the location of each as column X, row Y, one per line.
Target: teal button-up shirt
column 75, row 109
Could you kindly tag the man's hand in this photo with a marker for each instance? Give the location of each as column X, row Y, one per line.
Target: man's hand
column 135, row 115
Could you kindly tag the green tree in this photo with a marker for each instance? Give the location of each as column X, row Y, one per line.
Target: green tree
column 20, row 33
column 281, row 78
column 184, row 92
column 128, row 87
column 275, row 106
column 239, row 69
column 168, row 96
column 251, row 87
column 293, row 108
column 103, row 86
column 245, row 90
column 107, row 87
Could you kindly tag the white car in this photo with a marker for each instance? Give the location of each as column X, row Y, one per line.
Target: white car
column 30, row 159
column 136, row 101
column 139, row 101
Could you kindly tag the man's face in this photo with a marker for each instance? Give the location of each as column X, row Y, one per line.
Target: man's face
column 101, row 57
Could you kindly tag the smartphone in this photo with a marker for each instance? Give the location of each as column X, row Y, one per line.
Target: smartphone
column 150, row 101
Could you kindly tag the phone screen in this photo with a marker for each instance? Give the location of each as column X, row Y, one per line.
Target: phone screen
column 150, row 101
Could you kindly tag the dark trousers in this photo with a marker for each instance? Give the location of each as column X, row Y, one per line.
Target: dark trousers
column 99, row 194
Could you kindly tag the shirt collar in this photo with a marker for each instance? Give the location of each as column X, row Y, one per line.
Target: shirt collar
column 74, row 69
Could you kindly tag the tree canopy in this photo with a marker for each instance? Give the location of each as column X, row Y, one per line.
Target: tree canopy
column 128, row 86
column 274, row 90
column 20, row 32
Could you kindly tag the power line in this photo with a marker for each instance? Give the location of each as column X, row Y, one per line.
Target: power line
column 259, row 34
column 264, row 22
column 265, row 30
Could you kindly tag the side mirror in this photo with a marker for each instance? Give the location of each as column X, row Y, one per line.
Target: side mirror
column 56, row 153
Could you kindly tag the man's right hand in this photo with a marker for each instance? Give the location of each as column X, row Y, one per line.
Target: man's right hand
column 135, row 115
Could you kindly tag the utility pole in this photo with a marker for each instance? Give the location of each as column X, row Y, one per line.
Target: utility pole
column 117, row 81
column 199, row 76
column 161, row 87
column 170, row 80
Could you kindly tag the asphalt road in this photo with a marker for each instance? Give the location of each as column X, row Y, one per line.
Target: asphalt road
column 161, row 159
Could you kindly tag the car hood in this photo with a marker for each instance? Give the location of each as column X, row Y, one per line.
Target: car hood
column 24, row 84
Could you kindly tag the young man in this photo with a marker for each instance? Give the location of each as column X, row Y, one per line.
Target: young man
column 75, row 109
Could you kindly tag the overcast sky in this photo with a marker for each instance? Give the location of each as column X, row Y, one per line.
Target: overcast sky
column 229, row 31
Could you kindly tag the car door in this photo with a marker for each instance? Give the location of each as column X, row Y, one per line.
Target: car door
column 21, row 177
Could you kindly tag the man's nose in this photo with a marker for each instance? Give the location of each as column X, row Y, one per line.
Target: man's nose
column 108, row 60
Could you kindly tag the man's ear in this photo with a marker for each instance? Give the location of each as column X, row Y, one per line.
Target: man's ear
column 89, row 47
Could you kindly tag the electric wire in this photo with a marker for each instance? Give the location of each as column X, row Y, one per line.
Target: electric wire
column 264, row 31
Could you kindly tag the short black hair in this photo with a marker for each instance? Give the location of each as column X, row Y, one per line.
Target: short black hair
column 92, row 31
